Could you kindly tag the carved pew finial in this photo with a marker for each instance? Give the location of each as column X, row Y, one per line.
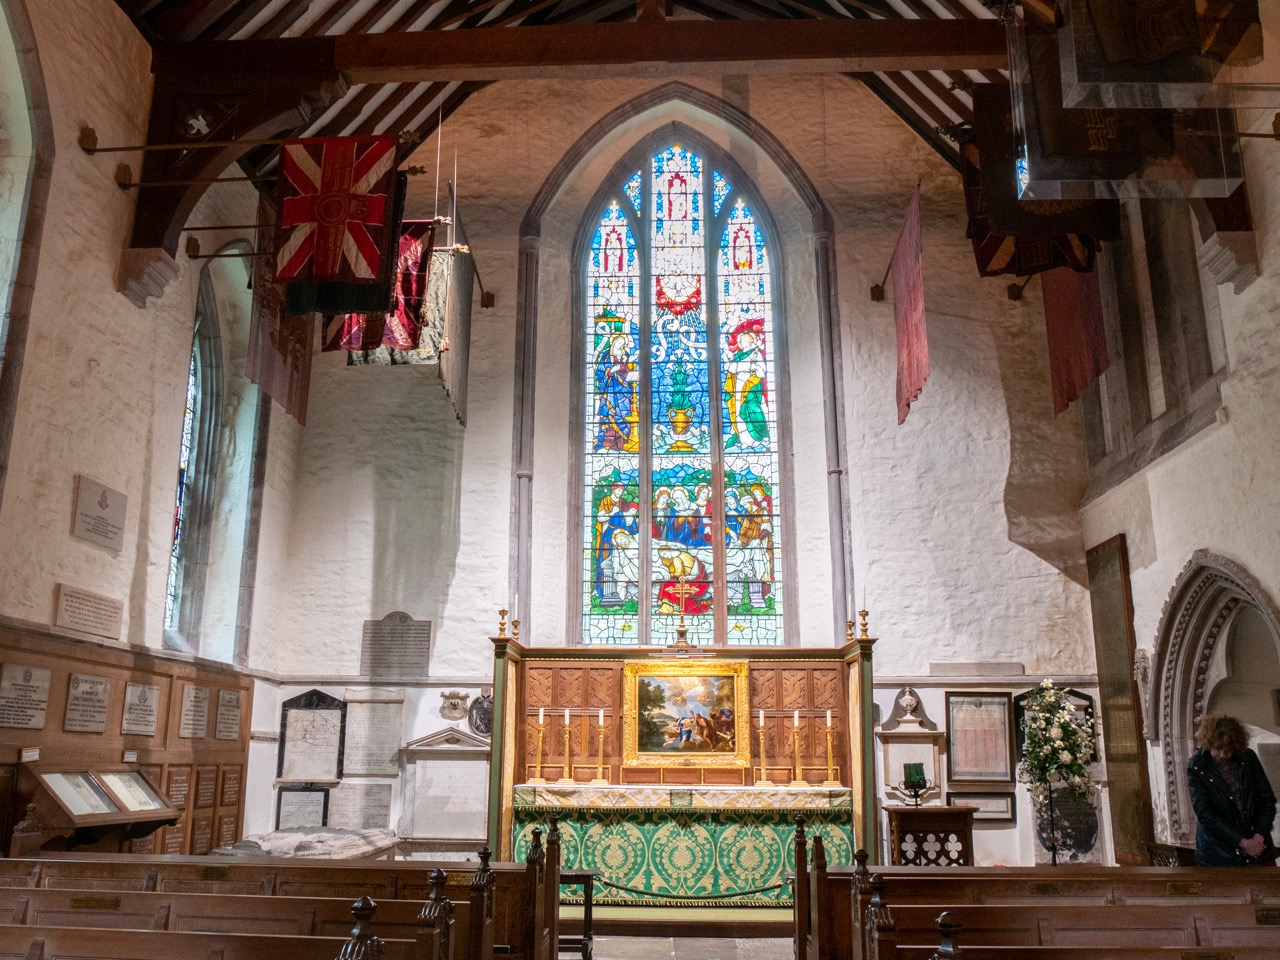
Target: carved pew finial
column 860, row 872
column 363, row 945
column 948, row 932
column 435, row 922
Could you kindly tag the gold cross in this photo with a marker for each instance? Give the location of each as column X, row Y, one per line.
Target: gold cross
column 683, row 592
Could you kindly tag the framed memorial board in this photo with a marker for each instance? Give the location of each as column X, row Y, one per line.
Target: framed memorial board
column 988, row 807
column 302, row 807
column 682, row 714
column 311, row 735
column 979, row 737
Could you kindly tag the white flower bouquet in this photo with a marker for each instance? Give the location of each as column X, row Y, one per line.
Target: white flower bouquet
column 1058, row 747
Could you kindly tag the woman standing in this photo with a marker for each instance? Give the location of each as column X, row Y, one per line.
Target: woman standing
column 1234, row 803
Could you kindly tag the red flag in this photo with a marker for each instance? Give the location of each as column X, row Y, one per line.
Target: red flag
column 907, row 267
column 334, row 200
column 279, row 357
column 1077, row 341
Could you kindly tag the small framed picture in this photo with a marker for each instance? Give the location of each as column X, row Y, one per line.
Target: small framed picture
column 979, row 737
column 991, row 807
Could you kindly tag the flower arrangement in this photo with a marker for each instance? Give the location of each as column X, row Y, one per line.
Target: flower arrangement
column 1058, row 746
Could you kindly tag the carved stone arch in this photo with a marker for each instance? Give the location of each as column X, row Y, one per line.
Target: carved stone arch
column 742, row 124
column 1207, row 597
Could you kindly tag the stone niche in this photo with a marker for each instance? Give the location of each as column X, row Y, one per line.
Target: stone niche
column 444, row 804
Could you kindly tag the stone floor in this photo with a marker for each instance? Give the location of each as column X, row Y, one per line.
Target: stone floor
column 690, row 948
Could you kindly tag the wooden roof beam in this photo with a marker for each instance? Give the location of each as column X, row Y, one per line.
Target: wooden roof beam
column 647, row 49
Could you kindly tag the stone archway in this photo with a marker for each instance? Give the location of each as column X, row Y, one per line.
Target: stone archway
column 1207, row 598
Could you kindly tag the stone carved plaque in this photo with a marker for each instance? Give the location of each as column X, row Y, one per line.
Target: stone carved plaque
column 311, row 742
column 360, row 806
column 87, row 704
column 141, row 703
column 453, row 704
column 88, row 612
column 227, row 725
column 397, row 646
column 193, row 723
column 372, row 742
column 24, row 696
column 301, row 808
column 99, row 513
column 480, row 715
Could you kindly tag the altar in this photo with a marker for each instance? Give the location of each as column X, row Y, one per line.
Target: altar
column 677, row 773
column 685, row 846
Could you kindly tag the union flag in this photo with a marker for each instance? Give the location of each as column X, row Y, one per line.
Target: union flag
column 335, row 206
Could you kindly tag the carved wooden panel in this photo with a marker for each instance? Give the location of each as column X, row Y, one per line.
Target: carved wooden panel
column 603, row 688
column 826, row 688
column 764, row 683
column 572, row 687
column 795, row 689
column 537, row 686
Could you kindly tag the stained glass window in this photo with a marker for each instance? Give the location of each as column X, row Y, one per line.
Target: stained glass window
column 681, row 499
column 173, row 590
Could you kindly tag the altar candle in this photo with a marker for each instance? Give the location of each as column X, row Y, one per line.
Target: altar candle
column 828, row 719
column 762, row 718
column 602, row 716
column 542, row 718
column 795, row 718
column 566, row 716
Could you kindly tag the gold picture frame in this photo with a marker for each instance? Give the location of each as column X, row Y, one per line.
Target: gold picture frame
column 661, row 728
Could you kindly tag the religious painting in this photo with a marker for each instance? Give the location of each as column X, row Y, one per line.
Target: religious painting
column 682, row 714
column 979, row 737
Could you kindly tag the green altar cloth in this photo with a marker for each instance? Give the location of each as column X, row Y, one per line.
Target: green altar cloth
column 685, row 846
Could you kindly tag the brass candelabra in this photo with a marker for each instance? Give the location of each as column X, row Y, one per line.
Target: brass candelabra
column 539, row 780
column 601, row 780
column 831, row 780
column 798, row 780
column 567, row 778
column 764, row 780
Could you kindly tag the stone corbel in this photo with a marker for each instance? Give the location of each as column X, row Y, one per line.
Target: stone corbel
column 1228, row 244
column 1142, row 680
column 212, row 108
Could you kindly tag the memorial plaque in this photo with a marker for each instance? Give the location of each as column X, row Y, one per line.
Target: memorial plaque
column 397, row 646
column 175, row 838
column 226, row 831
column 201, row 836
column 99, row 513
column 206, row 786
column 229, row 795
column 179, row 786
column 24, row 696
column 227, row 726
column 301, row 808
column 87, row 704
column 360, row 806
column 88, row 612
column 141, row 703
column 372, row 742
column 144, row 845
column 193, row 724
column 311, row 742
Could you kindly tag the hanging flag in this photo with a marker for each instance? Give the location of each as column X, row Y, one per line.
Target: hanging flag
column 335, row 205
column 907, row 267
column 279, row 355
column 352, row 331
column 1077, row 340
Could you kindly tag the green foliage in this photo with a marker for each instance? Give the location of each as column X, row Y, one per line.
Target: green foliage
column 1058, row 745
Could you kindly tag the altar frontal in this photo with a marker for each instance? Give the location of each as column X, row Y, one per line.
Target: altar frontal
column 679, row 777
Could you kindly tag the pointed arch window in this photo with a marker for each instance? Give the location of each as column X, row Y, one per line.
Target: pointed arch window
column 681, row 455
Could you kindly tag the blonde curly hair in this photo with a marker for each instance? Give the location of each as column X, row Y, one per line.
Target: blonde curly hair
column 1220, row 732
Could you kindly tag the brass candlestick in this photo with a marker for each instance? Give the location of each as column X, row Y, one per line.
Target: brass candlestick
column 601, row 780
column 567, row 779
column 799, row 780
column 831, row 780
column 764, row 780
column 539, row 779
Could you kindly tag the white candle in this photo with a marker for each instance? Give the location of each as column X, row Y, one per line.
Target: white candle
column 542, row 716
column 795, row 718
column 828, row 718
column 762, row 718
column 602, row 716
column 566, row 716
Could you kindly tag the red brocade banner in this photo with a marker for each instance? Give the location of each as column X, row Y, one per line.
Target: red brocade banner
column 907, row 267
column 1077, row 340
column 334, row 197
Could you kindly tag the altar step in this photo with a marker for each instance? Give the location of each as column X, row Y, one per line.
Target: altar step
column 738, row 923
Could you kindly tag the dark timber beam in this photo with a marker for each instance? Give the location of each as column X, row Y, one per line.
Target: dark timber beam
column 633, row 49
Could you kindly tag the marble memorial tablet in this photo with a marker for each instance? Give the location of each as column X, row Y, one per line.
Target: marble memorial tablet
column 87, row 704
column 227, row 726
column 301, row 808
column 141, row 702
column 311, row 742
column 24, row 696
column 99, row 513
column 395, row 646
column 88, row 612
column 372, row 739
column 193, row 724
column 360, row 806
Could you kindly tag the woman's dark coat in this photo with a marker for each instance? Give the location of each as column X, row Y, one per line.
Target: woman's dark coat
column 1221, row 825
